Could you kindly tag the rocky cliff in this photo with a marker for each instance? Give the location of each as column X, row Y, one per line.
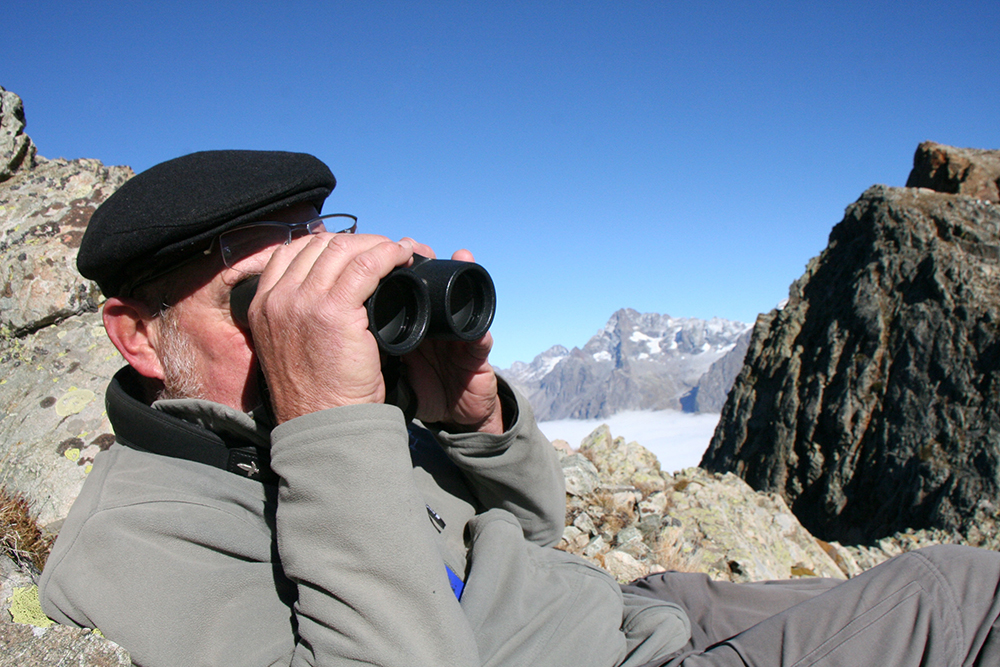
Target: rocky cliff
column 871, row 402
column 56, row 359
column 55, row 362
column 638, row 361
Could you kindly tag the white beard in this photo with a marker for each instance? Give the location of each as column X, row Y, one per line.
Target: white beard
column 181, row 378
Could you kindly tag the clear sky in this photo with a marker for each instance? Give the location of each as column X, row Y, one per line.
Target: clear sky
column 680, row 158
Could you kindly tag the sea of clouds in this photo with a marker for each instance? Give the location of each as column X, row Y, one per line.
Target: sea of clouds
column 678, row 439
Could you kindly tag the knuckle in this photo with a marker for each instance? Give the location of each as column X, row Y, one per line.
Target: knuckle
column 335, row 242
column 368, row 265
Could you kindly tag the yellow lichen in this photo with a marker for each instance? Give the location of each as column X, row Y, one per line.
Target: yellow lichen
column 74, row 401
column 25, row 608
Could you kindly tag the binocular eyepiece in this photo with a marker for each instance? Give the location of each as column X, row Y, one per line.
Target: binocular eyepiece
column 433, row 298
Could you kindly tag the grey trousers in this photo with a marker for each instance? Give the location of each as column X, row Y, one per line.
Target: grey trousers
column 938, row 606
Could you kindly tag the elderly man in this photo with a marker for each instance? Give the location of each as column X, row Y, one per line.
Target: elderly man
column 263, row 505
column 210, row 534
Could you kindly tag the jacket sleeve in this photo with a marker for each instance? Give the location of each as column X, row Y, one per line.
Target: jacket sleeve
column 174, row 577
column 353, row 534
column 517, row 471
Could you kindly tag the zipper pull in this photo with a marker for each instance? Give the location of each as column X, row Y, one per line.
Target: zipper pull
column 435, row 518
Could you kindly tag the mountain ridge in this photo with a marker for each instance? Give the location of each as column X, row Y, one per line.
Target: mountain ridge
column 637, row 361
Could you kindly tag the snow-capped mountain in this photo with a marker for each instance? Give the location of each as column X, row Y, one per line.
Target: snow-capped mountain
column 637, row 361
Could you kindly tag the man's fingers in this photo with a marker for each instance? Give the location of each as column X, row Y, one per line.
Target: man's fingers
column 294, row 262
column 351, row 283
column 420, row 248
column 463, row 255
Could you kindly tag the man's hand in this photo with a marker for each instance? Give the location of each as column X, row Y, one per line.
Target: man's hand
column 310, row 326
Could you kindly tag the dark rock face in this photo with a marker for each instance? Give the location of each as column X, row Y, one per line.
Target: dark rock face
column 871, row 402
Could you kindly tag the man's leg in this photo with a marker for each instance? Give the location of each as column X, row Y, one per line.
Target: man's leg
column 937, row 606
column 720, row 609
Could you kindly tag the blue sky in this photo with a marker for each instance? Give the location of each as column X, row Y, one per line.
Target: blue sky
column 681, row 158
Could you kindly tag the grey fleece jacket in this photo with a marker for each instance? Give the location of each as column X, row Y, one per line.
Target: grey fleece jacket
column 342, row 564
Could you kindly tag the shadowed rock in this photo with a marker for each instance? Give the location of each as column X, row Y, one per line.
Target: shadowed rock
column 871, row 402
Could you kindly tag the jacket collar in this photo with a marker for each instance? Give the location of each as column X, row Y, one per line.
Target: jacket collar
column 197, row 431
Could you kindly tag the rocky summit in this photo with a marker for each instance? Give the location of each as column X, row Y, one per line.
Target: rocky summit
column 638, row 361
column 871, row 401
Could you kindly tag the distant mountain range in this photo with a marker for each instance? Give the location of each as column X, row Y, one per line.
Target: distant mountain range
column 638, row 361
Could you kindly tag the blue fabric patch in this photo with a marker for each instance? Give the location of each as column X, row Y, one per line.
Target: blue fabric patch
column 457, row 585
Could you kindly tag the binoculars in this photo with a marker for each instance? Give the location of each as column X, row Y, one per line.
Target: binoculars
column 433, row 298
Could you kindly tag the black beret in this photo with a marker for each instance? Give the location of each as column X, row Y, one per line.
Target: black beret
column 173, row 210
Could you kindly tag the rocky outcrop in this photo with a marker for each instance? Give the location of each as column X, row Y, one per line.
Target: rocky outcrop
column 16, row 148
column 628, row 516
column 871, row 402
column 56, row 358
column 57, row 646
column 968, row 171
column 638, row 361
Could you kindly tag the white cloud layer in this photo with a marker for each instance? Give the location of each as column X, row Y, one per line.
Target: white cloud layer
column 678, row 439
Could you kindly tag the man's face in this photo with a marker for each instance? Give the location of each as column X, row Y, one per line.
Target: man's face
column 203, row 352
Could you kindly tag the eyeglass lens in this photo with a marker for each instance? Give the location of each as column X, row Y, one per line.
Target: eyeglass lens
column 240, row 245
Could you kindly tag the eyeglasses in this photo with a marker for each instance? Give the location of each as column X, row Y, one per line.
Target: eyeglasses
column 240, row 245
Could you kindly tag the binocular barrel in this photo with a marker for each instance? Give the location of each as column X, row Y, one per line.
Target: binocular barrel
column 433, row 298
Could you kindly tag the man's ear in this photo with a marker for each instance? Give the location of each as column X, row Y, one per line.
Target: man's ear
column 132, row 328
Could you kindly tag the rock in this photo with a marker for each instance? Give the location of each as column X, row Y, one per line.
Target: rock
column 624, row 567
column 56, row 357
column 16, row 148
column 13, row 577
column 44, row 213
column 44, row 643
column 52, row 420
column 580, row 474
column 57, row 646
column 629, row 464
column 966, row 171
column 728, row 530
column 694, row 521
column 871, row 402
column 563, row 445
